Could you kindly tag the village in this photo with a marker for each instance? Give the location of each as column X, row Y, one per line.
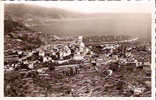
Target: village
column 72, row 58
column 77, row 51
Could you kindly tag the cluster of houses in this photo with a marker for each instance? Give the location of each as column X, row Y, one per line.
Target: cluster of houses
column 63, row 54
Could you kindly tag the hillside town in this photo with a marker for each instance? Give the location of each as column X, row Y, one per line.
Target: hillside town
column 71, row 57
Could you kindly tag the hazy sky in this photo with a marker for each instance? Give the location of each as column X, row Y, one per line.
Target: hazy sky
column 98, row 6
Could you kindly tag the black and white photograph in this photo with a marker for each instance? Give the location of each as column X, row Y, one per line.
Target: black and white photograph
column 77, row 49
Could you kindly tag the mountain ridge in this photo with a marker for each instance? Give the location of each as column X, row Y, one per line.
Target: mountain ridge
column 64, row 22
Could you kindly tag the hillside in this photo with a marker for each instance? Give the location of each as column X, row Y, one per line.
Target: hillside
column 44, row 57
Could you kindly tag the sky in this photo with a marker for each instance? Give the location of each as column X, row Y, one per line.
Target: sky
column 98, row 6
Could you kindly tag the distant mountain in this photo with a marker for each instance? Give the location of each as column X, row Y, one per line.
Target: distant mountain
column 63, row 22
column 28, row 12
